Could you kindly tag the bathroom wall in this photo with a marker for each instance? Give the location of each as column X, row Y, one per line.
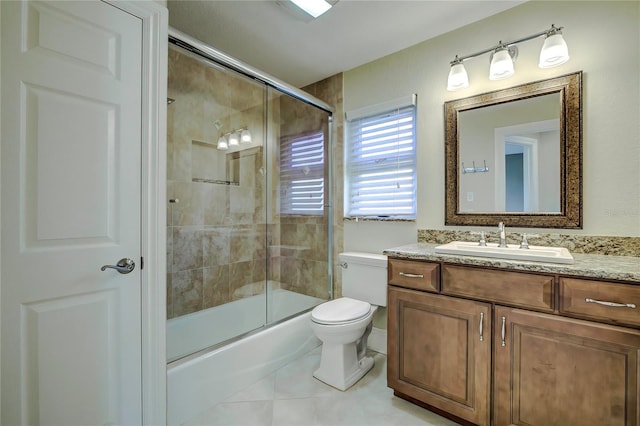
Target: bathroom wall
column 604, row 42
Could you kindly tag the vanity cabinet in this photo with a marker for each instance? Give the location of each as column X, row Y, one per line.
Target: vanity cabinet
column 550, row 370
column 502, row 347
column 439, row 352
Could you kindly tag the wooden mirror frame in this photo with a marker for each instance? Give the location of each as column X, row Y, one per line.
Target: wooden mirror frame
column 570, row 216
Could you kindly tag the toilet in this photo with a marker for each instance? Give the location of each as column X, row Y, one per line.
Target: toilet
column 343, row 325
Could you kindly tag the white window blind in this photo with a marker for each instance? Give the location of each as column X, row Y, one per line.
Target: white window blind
column 302, row 174
column 381, row 164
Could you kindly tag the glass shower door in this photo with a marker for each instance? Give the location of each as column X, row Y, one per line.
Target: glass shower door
column 298, row 206
column 217, row 255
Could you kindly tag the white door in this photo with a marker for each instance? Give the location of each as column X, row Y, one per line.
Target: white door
column 71, row 189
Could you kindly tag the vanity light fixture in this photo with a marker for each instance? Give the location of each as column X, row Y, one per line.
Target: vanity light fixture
column 223, row 145
column 502, row 62
column 245, row 136
column 554, row 52
column 233, row 139
column 458, row 78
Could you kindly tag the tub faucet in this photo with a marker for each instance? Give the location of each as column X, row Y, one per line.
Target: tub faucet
column 503, row 236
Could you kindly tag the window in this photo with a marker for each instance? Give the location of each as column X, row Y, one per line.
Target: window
column 381, row 162
column 302, row 174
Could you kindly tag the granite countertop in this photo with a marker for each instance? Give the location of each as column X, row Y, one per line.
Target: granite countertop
column 622, row 268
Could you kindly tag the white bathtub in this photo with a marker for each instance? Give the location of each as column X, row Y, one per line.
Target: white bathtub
column 195, row 384
column 190, row 333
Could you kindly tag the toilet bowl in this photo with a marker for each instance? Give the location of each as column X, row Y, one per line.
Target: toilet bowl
column 343, row 325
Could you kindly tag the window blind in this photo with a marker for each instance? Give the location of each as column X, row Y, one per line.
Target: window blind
column 381, row 164
column 302, row 174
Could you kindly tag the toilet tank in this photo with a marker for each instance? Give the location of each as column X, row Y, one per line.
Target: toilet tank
column 364, row 277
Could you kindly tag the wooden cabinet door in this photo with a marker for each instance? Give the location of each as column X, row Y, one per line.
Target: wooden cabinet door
column 439, row 352
column 550, row 370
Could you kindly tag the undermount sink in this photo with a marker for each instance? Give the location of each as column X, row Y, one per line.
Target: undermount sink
column 533, row 253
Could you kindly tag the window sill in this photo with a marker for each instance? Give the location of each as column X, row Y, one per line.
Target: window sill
column 377, row 219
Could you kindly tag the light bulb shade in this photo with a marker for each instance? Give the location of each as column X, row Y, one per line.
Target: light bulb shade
column 233, row 139
column 501, row 65
column 245, row 136
column 458, row 78
column 554, row 51
column 222, row 144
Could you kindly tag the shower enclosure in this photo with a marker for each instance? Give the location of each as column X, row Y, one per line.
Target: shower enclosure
column 248, row 180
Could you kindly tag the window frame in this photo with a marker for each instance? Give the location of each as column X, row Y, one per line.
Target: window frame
column 405, row 157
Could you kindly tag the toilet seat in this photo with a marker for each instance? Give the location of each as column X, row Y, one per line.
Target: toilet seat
column 340, row 311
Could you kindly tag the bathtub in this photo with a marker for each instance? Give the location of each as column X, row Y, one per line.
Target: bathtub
column 198, row 382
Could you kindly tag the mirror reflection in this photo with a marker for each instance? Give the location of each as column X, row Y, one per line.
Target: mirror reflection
column 514, row 152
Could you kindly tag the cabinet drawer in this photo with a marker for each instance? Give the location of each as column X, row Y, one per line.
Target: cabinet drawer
column 601, row 301
column 414, row 274
column 531, row 291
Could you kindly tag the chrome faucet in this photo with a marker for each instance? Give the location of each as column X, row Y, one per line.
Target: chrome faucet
column 483, row 241
column 503, row 236
column 524, row 244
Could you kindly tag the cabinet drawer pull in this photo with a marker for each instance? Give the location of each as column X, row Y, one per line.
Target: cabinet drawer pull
column 612, row 304
column 405, row 274
column 504, row 330
column 481, row 325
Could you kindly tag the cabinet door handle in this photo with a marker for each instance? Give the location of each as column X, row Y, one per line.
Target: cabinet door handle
column 406, row 274
column 481, row 325
column 612, row 304
column 504, row 330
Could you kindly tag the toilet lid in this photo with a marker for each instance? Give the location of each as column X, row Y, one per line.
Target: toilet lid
column 340, row 310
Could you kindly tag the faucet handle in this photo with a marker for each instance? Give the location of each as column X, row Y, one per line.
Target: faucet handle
column 524, row 244
column 482, row 242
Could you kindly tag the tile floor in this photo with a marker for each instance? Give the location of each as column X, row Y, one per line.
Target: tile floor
column 291, row 396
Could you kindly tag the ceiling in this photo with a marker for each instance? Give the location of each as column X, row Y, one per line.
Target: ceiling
column 269, row 37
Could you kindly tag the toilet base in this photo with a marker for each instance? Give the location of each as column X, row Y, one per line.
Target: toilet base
column 340, row 366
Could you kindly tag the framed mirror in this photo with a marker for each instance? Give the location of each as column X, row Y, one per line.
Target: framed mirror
column 515, row 156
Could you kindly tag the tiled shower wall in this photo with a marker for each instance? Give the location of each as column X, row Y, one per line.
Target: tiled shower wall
column 226, row 241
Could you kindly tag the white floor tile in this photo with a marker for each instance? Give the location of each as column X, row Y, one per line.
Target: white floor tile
column 296, row 380
column 293, row 397
column 255, row 413
column 264, row 390
column 294, row 412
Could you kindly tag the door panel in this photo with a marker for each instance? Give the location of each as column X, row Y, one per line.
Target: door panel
column 84, row 40
column 71, row 185
column 50, row 358
column 58, row 186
